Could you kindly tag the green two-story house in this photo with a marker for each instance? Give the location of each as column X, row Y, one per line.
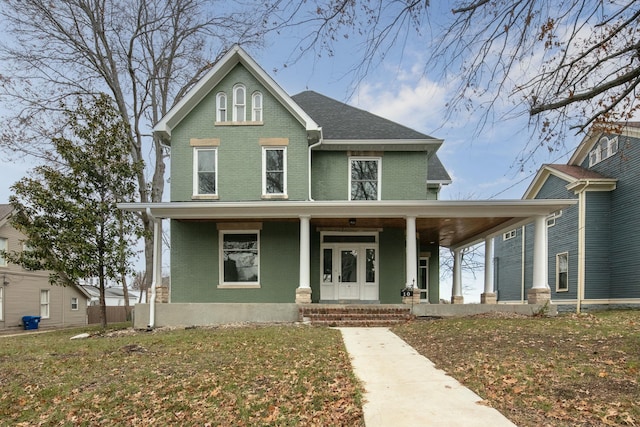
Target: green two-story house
column 286, row 200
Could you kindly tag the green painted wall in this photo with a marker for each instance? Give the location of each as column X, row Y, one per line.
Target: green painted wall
column 404, row 176
column 392, row 262
column 239, row 155
column 195, row 274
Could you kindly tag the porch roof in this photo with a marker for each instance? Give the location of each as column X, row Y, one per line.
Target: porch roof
column 450, row 223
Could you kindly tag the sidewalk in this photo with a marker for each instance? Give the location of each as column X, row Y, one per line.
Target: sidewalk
column 403, row 388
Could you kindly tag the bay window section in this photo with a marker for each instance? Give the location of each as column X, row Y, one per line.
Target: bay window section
column 240, row 258
column 364, row 178
column 205, row 174
column 274, row 167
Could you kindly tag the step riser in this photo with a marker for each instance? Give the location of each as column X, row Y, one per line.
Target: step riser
column 354, row 316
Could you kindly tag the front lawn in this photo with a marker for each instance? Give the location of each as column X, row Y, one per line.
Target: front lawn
column 271, row 375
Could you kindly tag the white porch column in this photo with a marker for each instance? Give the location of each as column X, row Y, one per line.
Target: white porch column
column 412, row 254
column 488, row 297
column 156, row 274
column 539, row 292
column 456, row 297
column 303, row 293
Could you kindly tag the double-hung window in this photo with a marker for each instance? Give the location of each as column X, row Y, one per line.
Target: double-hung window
column 562, row 272
column 44, row 303
column 205, row 174
column 221, row 107
column 239, row 103
column 74, row 303
column 240, row 257
column 274, row 167
column 364, row 178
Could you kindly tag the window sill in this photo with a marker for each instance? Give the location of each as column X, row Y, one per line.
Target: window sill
column 205, row 197
column 249, row 123
column 239, row 286
column 275, row 197
column 562, row 290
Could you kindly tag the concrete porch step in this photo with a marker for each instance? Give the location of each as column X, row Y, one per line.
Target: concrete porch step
column 354, row 315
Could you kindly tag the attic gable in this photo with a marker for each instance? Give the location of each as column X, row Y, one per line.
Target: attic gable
column 236, row 55
column 577, row 178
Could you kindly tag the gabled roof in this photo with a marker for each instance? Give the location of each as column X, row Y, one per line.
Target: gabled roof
column 594, row 135
column 577, row 178
column 436, row 173
column 349, row 126
column 236, row 55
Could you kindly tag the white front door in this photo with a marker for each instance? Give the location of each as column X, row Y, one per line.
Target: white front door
column 349, row 272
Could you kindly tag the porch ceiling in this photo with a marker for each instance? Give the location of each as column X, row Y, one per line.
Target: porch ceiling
column 449, row 223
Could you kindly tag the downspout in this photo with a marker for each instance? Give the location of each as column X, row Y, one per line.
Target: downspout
column 581, row 246
column 522, row 262
column 157, row 237
column 311, row 147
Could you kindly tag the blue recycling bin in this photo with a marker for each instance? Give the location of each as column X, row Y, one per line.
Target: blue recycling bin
column 30, row 322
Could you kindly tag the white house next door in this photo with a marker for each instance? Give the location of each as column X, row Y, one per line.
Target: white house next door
column 349, row 272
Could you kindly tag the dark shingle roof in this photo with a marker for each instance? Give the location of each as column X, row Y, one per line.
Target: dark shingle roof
column 340, row 121
column 577, row 172
column 436, row 171
column 5, row 209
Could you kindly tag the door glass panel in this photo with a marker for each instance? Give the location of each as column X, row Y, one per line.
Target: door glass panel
column 371, row 265
column 327, row 268
column 349, row 270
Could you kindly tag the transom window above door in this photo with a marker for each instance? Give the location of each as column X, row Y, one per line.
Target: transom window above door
column 364, row 178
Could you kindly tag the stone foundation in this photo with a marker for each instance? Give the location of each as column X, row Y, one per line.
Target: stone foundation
column 538, row 295
column 457, row 300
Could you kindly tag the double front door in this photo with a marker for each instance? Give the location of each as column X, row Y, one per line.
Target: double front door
column 349, row 272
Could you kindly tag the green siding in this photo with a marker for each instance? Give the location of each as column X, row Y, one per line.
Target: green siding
column 392, row 262
column 239, row 155
column 195, row 276
column 404, row 175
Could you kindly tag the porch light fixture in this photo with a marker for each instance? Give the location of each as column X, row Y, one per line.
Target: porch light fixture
column 352, row 221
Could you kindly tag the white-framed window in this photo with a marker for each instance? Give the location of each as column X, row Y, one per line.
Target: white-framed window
column 274, row 170
column 239, row 103
column 509, row 234
column 4, row 246
column 551, row 219
column 221, row 107
column 1, row 302
column 205, row 171
column 240, row 258
column 364, row 178
column 562, row 272
column 604, row 149
column 74, row 303
column 256, row 107
column 44, row 303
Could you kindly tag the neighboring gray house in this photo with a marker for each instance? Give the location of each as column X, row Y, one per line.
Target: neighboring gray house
column 593, row 246
column 112, row 296
column 28, row 293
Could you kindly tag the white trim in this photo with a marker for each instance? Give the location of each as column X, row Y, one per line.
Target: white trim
column 45, row 304
column 4, row 246
column 378, row 161
column 222, row 284
column 264, row 170
column 508, row 235
column 239, row 103
column 220, row 107
column 77, row 303
column 196, row 187
column 254, row 109
column 558, row 255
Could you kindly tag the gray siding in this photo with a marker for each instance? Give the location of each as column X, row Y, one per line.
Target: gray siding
column 508, row 267
column 597, row 250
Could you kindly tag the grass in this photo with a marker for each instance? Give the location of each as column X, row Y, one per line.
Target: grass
column 273, row 375
column 564, row 371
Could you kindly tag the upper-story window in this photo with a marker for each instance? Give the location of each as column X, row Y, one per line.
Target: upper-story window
column 364, row 178
column 3, row 247
column 256, row 107
column 551, row 218
column 274, row 167
column 509, row 234
column 239, row 103
column 205, row 174
column 221, row 107
column 604, row 149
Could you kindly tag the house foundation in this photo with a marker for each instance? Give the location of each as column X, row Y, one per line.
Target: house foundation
column 488, row 298
column 303, row 296
column 538, row 295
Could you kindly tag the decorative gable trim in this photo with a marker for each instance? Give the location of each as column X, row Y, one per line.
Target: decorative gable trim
column 236, row 55
column 541, row 177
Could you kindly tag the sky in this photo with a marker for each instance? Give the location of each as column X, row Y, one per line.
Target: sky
column 481, row 162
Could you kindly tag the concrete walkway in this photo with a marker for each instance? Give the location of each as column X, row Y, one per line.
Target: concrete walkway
column 403, row 388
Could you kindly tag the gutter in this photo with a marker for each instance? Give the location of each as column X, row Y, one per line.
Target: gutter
column 311, row 147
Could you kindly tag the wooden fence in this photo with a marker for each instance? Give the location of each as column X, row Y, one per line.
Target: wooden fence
column 114, row 314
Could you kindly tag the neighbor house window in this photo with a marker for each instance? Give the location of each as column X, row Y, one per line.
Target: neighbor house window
column 509, row 235
column 562, row 272
column 551, row 219
column 74, row 303
column 240, row 257
column 364, row 178
column 256, row 104
column 274, row 167
column 3, row 247
column 604, row 149
column 239, row 103
column 221, row 107
column 44, row 303
column 205, row 174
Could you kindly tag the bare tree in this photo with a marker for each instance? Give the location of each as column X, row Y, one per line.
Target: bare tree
column 567, row 64
column 144, row 53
